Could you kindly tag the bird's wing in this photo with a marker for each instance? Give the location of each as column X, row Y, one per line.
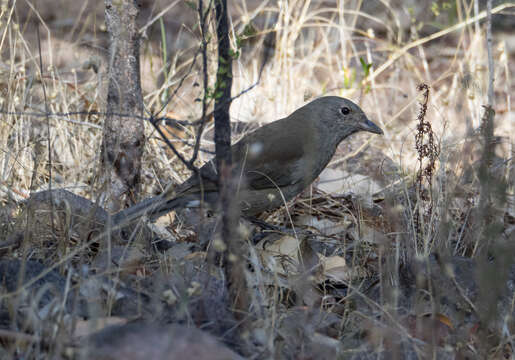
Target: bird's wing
column 268, row 157
column 265, row 158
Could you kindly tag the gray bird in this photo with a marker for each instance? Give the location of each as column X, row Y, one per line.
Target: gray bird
column 273, row 164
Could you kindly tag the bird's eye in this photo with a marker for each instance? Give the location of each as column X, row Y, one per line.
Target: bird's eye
column 345, row 110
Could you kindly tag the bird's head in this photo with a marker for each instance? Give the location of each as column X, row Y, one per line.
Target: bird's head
column 342, row 116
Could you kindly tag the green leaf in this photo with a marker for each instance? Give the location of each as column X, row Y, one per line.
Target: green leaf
column 238, row 41
column 365, row 67
column 249, row 30
column 234, row 54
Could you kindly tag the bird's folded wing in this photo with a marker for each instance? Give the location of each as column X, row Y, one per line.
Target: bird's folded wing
column 265, row 159
column 271, row 161
column 283, row 167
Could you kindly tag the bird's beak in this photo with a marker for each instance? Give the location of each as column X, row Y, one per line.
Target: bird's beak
column 369, row 126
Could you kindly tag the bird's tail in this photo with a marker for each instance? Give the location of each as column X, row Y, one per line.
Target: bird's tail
column 153, row 208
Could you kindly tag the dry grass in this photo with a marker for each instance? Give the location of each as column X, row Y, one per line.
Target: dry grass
column 360, row 296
